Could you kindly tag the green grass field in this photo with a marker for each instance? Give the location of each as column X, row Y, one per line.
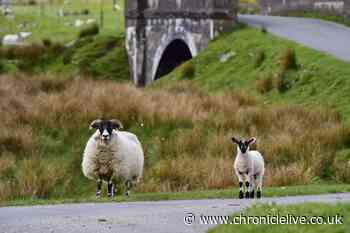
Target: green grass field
column 326, row 211
column 44, row 22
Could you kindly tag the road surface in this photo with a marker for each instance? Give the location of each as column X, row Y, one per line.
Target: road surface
column 151, row 217
column 321, row 35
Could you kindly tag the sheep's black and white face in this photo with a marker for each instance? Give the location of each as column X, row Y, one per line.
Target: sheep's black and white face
column 244, row 145
column 105, row 128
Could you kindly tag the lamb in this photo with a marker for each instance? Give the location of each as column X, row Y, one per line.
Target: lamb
column 250, row 165
column 112, row 156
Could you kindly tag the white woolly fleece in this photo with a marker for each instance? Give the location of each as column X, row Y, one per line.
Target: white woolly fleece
column 122, row 157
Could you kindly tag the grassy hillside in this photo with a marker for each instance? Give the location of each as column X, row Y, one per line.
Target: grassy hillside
column 293, row 99
column 318, row 79
column 326, row 212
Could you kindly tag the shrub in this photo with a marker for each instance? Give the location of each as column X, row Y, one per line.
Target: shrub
column 187, row 70
column 46, row 42
column 89, row 30
column 85, row 12
column 57, row 48
column 263, row 30
column 281, row 82
column 264, row 85
column 32, row 2
column 259, row 58
column 288, row 60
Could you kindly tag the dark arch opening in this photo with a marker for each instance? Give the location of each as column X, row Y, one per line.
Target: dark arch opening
column 174, row 55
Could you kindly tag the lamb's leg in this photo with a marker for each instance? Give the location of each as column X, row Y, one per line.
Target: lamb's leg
column 241, row 188
column 259, row 186
column 128, row 186
column 98, row 188
column 247, row 192
column 251, row 186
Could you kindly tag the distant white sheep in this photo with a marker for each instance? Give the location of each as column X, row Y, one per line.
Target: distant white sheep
column 249, row 167
column 15, row 39
column 112, row 156
column 12, row 39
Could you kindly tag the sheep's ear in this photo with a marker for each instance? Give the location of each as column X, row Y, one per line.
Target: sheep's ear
column 235, row 140
column 95, row 124
column 252, row 141
column 116, row 124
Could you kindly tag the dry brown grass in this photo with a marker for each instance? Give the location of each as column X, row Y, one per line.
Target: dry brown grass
column 298, row 143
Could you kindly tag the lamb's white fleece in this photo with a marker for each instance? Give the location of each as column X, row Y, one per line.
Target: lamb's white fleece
column 122, row 158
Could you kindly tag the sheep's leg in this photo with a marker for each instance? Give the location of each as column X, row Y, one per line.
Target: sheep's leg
column 110, row 189
column 128, row 186
column 98, row 188
column 241, row 188
column 259, row 186
column 247, row 192
column 251, row 186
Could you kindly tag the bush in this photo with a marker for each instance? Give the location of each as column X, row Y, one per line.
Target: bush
column 32, row 2
column 85, row 12
column 281, row 82
column 57, row 48
column 47, row 42
column 259, row 58
column 187, row 70
column 90, row 30
column 288, row 60
column 264, row 85
column 263, row 30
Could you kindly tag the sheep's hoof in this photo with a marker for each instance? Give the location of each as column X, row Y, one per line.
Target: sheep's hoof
column 247, row 195
column 241, row 195
column 127, row 193
column 258, row 194
column 98, row 195
column 252, row 194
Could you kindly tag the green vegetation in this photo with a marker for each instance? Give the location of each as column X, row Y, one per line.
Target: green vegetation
column 195, row 195
column 43, row 20
column 319, row 80
column 90, row 55
column 309, row 210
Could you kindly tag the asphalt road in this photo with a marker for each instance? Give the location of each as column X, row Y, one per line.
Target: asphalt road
column 321, row 35
column 151, row 217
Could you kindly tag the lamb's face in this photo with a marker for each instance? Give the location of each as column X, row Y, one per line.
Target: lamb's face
column 243, row 145
column 105, row 128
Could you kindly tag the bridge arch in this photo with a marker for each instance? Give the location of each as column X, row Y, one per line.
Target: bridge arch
column 171, row 55
column 154, row 30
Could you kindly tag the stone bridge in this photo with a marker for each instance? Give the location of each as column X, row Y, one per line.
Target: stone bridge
column 162, row 34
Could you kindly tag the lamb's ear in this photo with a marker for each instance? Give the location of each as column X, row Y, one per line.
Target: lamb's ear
column 235, row 140
column 95, row 124
column 116, row 124
column 252, row 141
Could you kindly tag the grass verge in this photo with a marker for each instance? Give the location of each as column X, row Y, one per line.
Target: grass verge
column 193, row 195
column 309, row 210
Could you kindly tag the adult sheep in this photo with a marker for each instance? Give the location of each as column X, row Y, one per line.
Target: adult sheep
column 112, row 156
